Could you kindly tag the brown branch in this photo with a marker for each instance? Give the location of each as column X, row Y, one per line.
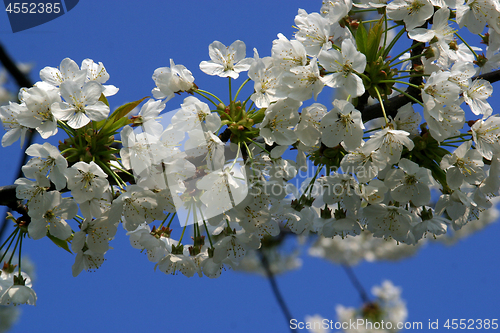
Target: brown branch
column 21, row 79
column 394, row 103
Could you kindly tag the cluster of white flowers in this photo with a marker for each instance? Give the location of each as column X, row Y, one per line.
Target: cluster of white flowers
column 223, row 167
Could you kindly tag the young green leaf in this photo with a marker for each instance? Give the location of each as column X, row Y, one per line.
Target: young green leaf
column 361, row 38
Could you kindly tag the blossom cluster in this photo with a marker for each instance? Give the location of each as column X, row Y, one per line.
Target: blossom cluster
column 227, row 169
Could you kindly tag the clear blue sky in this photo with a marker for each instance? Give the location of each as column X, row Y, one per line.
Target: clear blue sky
column 132, row 39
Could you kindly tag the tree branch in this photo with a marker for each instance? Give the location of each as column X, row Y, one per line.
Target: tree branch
column 274, row 287
column 394, row 103
column 22, row 81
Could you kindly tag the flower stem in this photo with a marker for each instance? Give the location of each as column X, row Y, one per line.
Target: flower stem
column 185, row 225
column 393, row 41
column 258, row 145
column 239, row 89
column 20, row 247
column 466, row 44
column 208, row 98
column 381, row 104
column 210, row 94
column 407, row 50
column 171, row 219
column 404, row 60
column 408, row 95
column 402, row 82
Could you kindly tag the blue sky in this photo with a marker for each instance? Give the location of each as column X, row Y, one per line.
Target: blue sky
column 132, row 39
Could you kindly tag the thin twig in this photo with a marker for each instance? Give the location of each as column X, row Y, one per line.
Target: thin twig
column 274, row 287
column 354, row 280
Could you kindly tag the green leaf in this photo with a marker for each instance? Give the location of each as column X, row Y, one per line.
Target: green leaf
column 59, row 242
column 104, row 99
column 119, row 113
column 373, row 41
column 361, row 39
column 123, row 110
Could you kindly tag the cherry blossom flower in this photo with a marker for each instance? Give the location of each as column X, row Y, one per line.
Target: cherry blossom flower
column 486, row 136
column 68, row 71
column 15, row 131
column 476, row 13
column 267, row 78
column 37, row 111
column 82, row 104
column 277, row 125
column 302, row 82
column 46, row 160
column 413, row 12
column 97, row 72
column 226, row 61
column 314, row 32
column 86, row 181
column 343, row 68
column 308, row 129
column 342, row 124
column 287, row 54
column 87, row 260
column 18, row 294
column 465, row 164
column 390, row 144
column 171, row 80
column 475, row 96
column 410, row 183
column 52, row 215
column 390, row 221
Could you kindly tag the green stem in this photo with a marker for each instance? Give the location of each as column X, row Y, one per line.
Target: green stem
column 239, row 89
column 404, row 60
column 363, row 10
column 117, row 179
column 185, row 225
column 368, row 21
column 466, row 44
column 458, row 136
column 402, row 82
column 385, row 34
column 363, row 76
column 408, row 95
column 68, row 149
column 230, row 91
column 210, row 94
column 20, row 247
column 458, row 141
column 11, row 235
column 163, row 222
column 393, row 41
column 206, row 97
column 206, row 229
column 15, row 247
column 408, row 76
column 237, row 156
column 258, row 145
column 208, row 234
column 373, row 130
column 407, row 50
column 381, row 104
column 171, row 219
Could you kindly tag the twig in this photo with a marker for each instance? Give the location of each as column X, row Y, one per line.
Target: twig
column 274, row 287
column 354, row 280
